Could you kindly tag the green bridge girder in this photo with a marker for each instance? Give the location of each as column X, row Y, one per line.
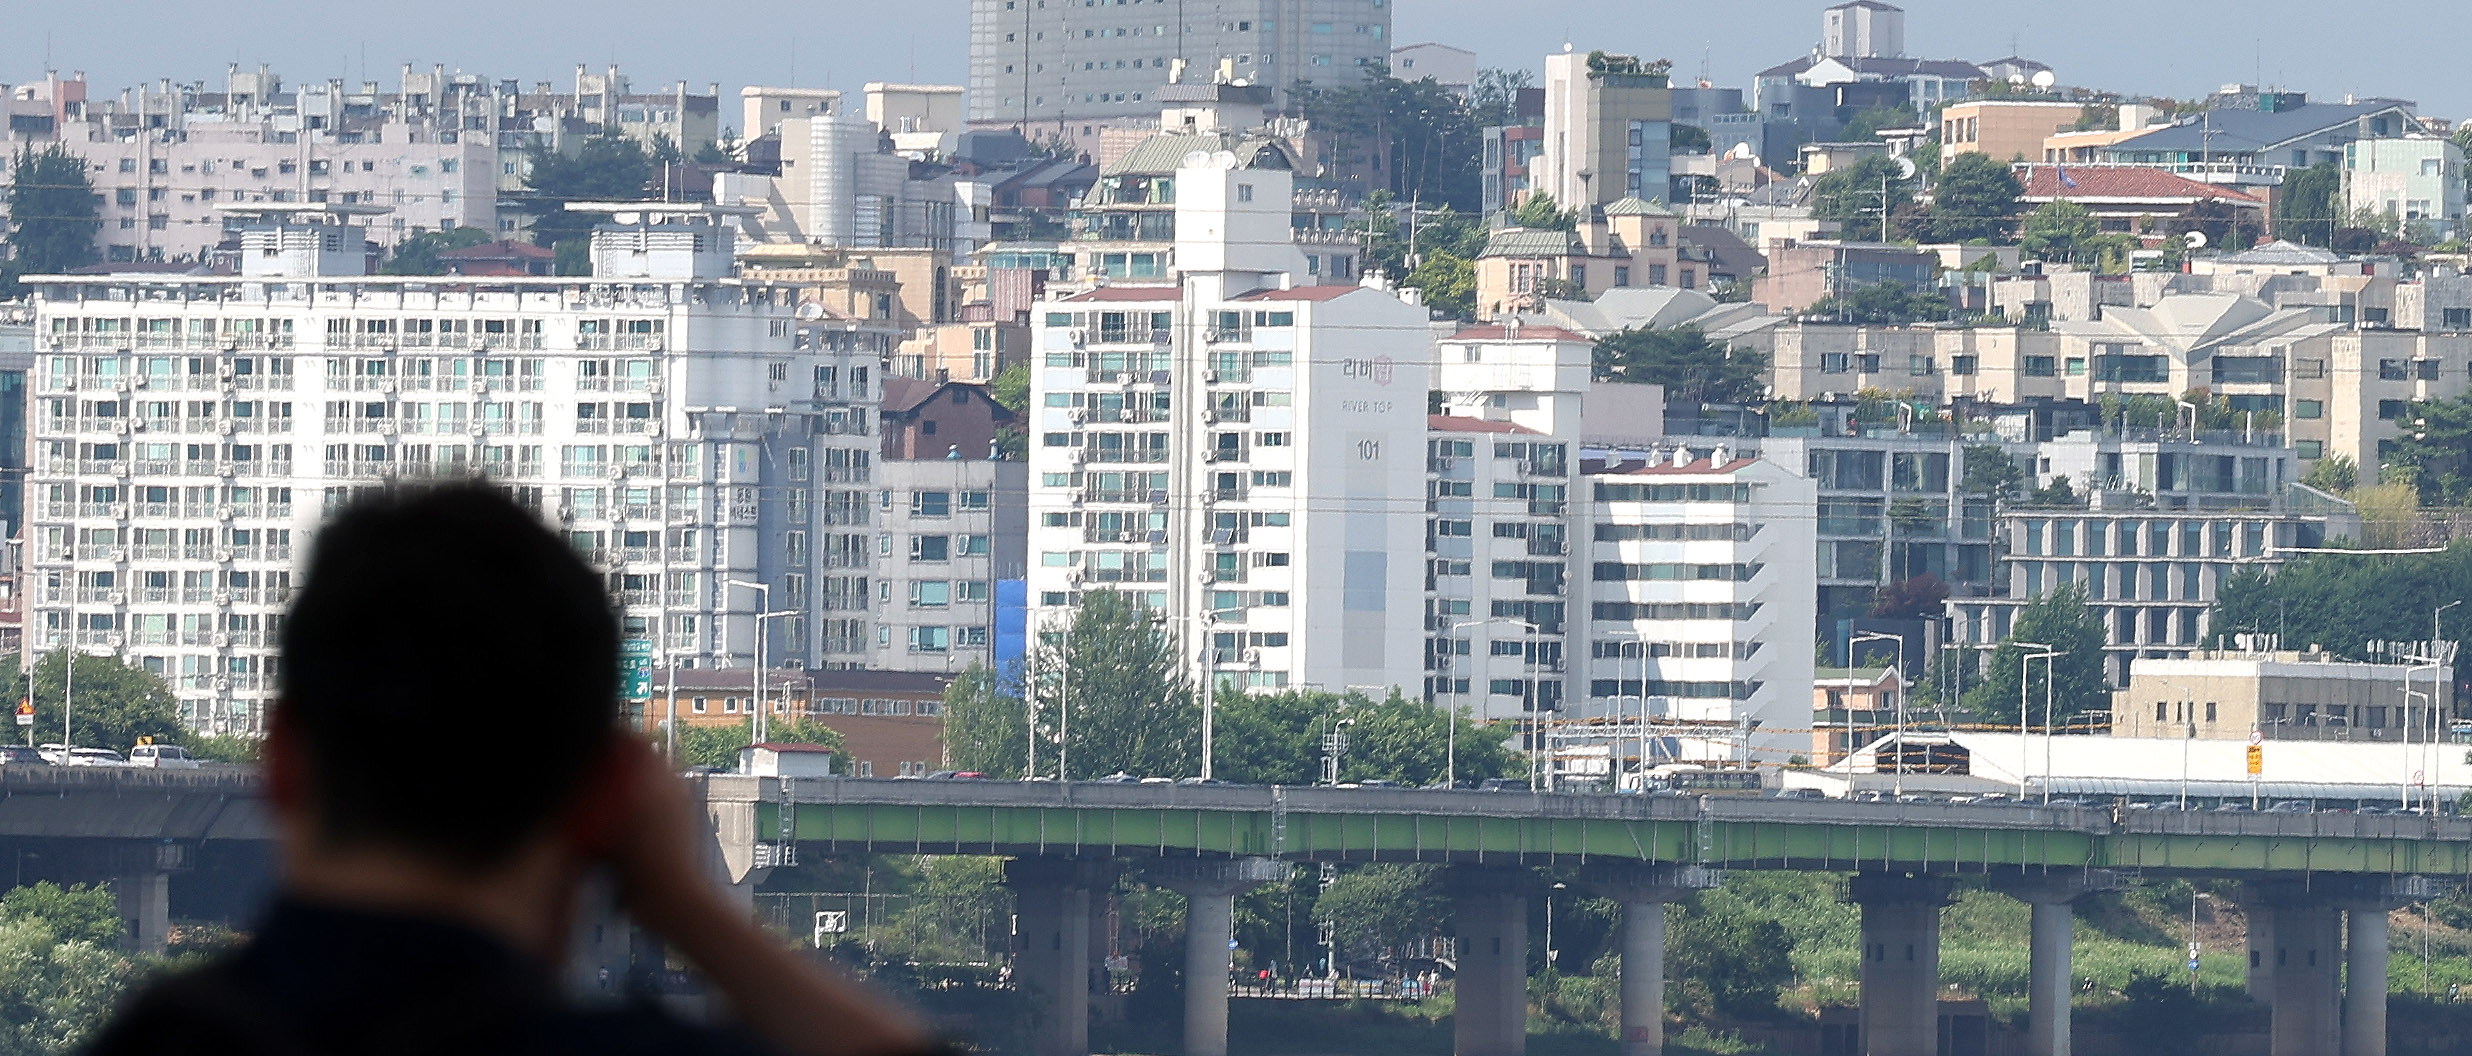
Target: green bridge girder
column 1539, row 830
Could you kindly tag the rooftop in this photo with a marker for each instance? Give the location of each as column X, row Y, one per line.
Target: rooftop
column 1300, row 293
column 1446, row 423
column 2080, row 183
column 1530, row 242
column 1500, row 332
column 2230, row 130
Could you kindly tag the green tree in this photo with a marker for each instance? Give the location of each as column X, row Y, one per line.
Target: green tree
column 1417, row 139
column 1975, row 200
column 223, row 748
column 54, row 214
column 61, row 973
column 2062, row 231
column 606, row 167
column 985, row 726
column 1112, row 681
column 1538, row 210
column 1688, row 139
column 2435, row 454
column 1881, row 304
column 1867, row 123
column 1495, row 98
column 418, row 254
column 113, row 704
column 1010, row 388
column 1375, row 911
column 713, row 746
column 1990, row 470
column 1411, row 742
column 1693, row 368
column 2061, row 620
column 1272, row 738
column 2335, row 476
column 1851, row 197
column 2345, row 601
column 1449, row 282
column 2309, row 206
column 1727, row 957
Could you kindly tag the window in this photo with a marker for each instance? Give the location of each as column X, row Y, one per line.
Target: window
column 931, row 548
column 2309, row 448
column 1919, row 366
column 2041, row 367
column 2390, row 410
column 2308, row 409
column 1963, row 366
column 1832, row 362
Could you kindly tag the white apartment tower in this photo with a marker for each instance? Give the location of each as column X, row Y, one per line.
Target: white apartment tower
column 1669, row 588
column 686, row 430
column 1240, row 453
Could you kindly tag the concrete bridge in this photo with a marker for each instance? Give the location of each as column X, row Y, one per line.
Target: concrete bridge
column 2322, row 884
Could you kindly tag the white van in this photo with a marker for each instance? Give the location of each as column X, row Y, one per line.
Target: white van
column 94, row 757
column 162, row 757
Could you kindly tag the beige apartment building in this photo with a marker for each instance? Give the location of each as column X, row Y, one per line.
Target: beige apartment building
column 2003, row 129
column 2222, row 695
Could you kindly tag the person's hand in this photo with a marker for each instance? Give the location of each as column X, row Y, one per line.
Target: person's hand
column 655, row 843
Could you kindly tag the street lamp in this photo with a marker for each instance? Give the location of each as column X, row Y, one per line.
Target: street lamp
column 1334, row 746
column 763, row 592
column 1551, row 955
column 2188, row 715
column 1450, row 736
column 2025, row 719
column 1896, row 671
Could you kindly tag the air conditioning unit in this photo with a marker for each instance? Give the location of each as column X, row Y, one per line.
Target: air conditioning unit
column 223, row 513
column 387, row 427
column 1078, row 416
column 1210, row 456
column 653, row 386
column 225, row 469
column 656, row 345
column 121, row 511
column 1214, row 336
column 1211, row 377
column 223, row 641
column 121, row 384
column 223, row 683
column 1253, row 656
column 478, row 344
column 122, row 425
column 231, row 344
column 119, row 597
column 119, row 555
column 120, row 469
column 225, row 427
column 653, row 428
column 223, row 370
column 477, row 429
column 386, row 385
column 223, row 597
column 1210, row 417
column 115, row 641
column 480, row 386
column 223, row 553
column 137, row 381
column 617, row 472
column 1080, row 336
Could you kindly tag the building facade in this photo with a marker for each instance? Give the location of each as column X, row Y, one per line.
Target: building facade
column 683, row 429
column 1607, row 131
column 2309, row 696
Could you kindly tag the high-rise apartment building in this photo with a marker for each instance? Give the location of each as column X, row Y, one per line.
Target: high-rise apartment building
column 1237, row 451
column 1054, row 67
column 690, row 432
column 953, row 517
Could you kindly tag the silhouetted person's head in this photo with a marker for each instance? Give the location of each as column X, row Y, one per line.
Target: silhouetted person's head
column 450, row 678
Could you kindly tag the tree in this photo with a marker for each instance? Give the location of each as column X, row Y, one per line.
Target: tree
column 1726, row 956
column 223, row 748
column 1688, row 139
column 986, row 727
column 1692, row 368
column 1417, row 139
column 2343, row 601
column 1881, row 304
column 1538, row 210
column 1449, row 282
column 53, row 216
column 1495, row 98
column 1010, row 388
column 1989, row 470
column 2309, row 208
column 605, row 167
column 2435, row 455
column 2335, row 476
column 61, row 973
column 1276, row 738
column 418, row 254
column 713, row 746
column 1111, row 680
column 113, row 704
column 1375, row 911
column 2062, row 231
column 1851, row 197
column 1915, row 598
column 1975, row 200
column 1867, row 123
column 2060, row 620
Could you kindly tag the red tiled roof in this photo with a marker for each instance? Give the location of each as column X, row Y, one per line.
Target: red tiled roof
column 2117, row 182
column 1126, row 293
column 1301, row 293
column 1497, row 332
column 1449, row 423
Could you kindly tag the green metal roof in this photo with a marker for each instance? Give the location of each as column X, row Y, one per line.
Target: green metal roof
column 1163, row 154
column 1529, row 242
column 1635, row 206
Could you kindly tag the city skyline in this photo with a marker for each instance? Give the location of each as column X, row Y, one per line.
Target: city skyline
column 2180, row 51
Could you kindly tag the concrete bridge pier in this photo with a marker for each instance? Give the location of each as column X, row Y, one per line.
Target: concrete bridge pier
column 1644, row 891
column 1051, row 952
column 2258, row 941
column 145, row 899
column 1210, row 887
column 2364, row 992
column 2052, row 985
column 1901, row 962
column 2305, row 967
column 1490, row 907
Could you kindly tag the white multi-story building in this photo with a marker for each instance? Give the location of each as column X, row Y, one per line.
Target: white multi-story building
column 1665, row 588
column 955, row 527
column 687, row 430
column 840, row 186
column 1068, row 70
column 1238, row 452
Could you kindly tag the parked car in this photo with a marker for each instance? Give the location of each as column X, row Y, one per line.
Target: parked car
column 162, row 757
column 956, row 775
column 22, row 755
column 1120, row 778
column 1503, row 784
column 94, row 757
column 2291, row 806
column 1798, row 793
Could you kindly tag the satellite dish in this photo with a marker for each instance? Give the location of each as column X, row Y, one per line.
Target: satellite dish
column 2045, row 78
column 1224, row 160
column 1905, row 168
column 1741, row 150
column 2194, row 240
column 811, row 310
column 2017, row 78
column 1196, row 160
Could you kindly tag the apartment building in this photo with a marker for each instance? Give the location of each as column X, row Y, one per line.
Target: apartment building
column 955, row 520
column 838, row 183
column 1073, row 70
column 685, row 429
column 2284, row 695
column 1892, row 505
column 1212, row 445
column 1687, row 600
column 2003, row 129
column 1630, row 243
column 439, row 151
column 1607, row 131
column 2414, row 183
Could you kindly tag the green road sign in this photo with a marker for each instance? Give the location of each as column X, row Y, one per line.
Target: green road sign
column 635, row 668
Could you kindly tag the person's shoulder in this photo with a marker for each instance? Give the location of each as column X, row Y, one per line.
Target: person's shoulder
column 199, row 1010
column 642, row 1028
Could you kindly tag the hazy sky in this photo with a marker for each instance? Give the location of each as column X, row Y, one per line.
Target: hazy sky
column 2164, row 47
